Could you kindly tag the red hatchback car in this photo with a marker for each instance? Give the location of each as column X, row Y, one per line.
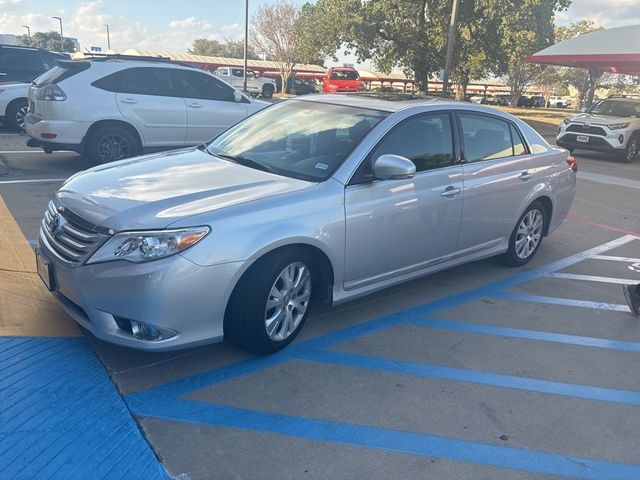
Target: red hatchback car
column 342, row 79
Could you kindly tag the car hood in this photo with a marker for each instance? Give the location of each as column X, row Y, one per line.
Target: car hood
column 155, row 191
column 14, row 87
column 596, row 119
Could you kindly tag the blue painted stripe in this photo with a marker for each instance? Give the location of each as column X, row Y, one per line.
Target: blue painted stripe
column 570, row 302
column 32, row 242
column 392, row 440
column 526, row 334
column 473, row 376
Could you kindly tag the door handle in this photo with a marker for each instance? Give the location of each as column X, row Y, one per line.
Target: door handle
column 128, row 100
column 524, row 176
column 450, row 192
column 194, row 105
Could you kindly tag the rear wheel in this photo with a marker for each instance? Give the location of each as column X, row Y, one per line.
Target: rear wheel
column 271, row 302
column 14, row 116
column 111, row 143
column 632, row 151
column 527, row 235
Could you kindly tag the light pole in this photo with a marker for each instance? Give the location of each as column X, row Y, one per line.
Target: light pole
column 108, row 38
column 246, row 40
column 61, row 36
column 450, row 43
column 28, row 32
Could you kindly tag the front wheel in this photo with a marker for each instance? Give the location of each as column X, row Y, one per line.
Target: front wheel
column 630, row 153
column 527, row 235
column 271, row 302
column 15, row 114
column 267, row 91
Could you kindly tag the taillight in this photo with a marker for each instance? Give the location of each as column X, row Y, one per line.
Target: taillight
column 51, row 93
column 573, row 163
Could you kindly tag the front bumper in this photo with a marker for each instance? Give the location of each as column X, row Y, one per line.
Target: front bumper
column 595, row 143
column 172, row 293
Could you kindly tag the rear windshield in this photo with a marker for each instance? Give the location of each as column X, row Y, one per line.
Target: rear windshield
column 345, row 75
column 617, row 108
column 59, row 73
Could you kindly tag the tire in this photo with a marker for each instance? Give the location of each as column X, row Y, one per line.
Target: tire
column 250, row 322
column 15, row 113
column 111, row 143
column 529, row 229
column 632, row 152
column 267, row 91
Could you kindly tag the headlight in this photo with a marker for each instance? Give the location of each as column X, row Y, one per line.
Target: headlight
column 618, row 126
column 148, row 245
column 567, row 121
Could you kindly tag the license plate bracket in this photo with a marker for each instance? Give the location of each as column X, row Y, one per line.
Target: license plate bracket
column 582, row 139
column 45, row 270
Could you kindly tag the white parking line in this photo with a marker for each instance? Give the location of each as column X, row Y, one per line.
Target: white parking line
column 609, row 180
column 13, row 152
column 616, row 259
column 35, row 180
column 593, row 278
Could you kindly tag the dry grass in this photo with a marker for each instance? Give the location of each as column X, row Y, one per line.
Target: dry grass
column 544, row 120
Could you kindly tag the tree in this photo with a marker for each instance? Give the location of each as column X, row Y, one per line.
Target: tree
column 46, row 40
column 229, row 48
column 578, row 78
column 274, row 33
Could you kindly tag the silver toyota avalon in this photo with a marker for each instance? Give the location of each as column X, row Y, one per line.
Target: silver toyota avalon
column 324, row 198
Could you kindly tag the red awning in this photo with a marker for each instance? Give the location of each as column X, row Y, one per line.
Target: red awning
column 615, row 50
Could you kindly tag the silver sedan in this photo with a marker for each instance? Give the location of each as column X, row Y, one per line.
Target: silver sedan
column 326, row 198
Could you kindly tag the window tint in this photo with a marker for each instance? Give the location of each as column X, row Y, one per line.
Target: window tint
column 426, row 140
column 518, row 144
column 236, row 72
column 345, row 75
column 141, row 81
column 485, row 138
column 19, row 59
column 203, row 86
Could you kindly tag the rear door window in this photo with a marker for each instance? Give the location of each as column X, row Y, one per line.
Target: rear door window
column 203, row 86
column 487, row 138
column 141, row 81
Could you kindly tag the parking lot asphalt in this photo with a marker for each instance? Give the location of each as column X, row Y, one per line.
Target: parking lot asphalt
column 478, row 372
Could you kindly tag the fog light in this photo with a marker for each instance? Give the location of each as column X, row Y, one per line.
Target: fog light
column 621, row 139
column 144, row 331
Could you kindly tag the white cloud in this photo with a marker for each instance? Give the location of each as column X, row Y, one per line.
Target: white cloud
column 87, row 23
column 607, row 14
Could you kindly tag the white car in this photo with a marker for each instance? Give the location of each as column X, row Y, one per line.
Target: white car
column 559, row 102
column 13, row 104
column 116, row 107
column 256, row 85
column 611, row 126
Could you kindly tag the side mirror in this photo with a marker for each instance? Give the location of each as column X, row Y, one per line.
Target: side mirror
column 237, row 96
column 393, row 167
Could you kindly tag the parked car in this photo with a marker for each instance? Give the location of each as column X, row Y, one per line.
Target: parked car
column 525, row 102
column 537, row 101
column 502, row 99
column 19, row 66
column 256, row 85
column 342, row 79
column 318, row 198
column 480, row 99
column 558, row 102
column 611, row 125
column 296, row 86
column 112, row 108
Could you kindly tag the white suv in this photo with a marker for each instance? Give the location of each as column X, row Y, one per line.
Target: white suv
column 611, row 125
column 113, row 107
column 558, row 102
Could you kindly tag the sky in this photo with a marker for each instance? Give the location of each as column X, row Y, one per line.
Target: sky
column 172, row 25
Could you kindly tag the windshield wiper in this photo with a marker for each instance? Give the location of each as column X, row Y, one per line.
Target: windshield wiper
column 247, row 162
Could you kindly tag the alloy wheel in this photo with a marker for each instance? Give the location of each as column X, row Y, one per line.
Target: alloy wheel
column 632, row 150
column 288, row 301
column 20, row 114
column 114, row 147
column 529, row 234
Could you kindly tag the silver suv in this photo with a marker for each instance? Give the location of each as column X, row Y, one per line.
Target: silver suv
column 324, row 199
column 611, row 125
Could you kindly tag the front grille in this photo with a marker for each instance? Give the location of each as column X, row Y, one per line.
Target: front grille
column 581, row 128
column 70, row 238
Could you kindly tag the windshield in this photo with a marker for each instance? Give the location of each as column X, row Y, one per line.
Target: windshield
column 305, row 140
column 345, row 75
column 616, row 108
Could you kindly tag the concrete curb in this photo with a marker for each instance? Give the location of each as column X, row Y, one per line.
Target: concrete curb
column 4, row 170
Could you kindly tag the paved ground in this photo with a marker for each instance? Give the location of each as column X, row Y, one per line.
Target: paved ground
column 477, row 372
